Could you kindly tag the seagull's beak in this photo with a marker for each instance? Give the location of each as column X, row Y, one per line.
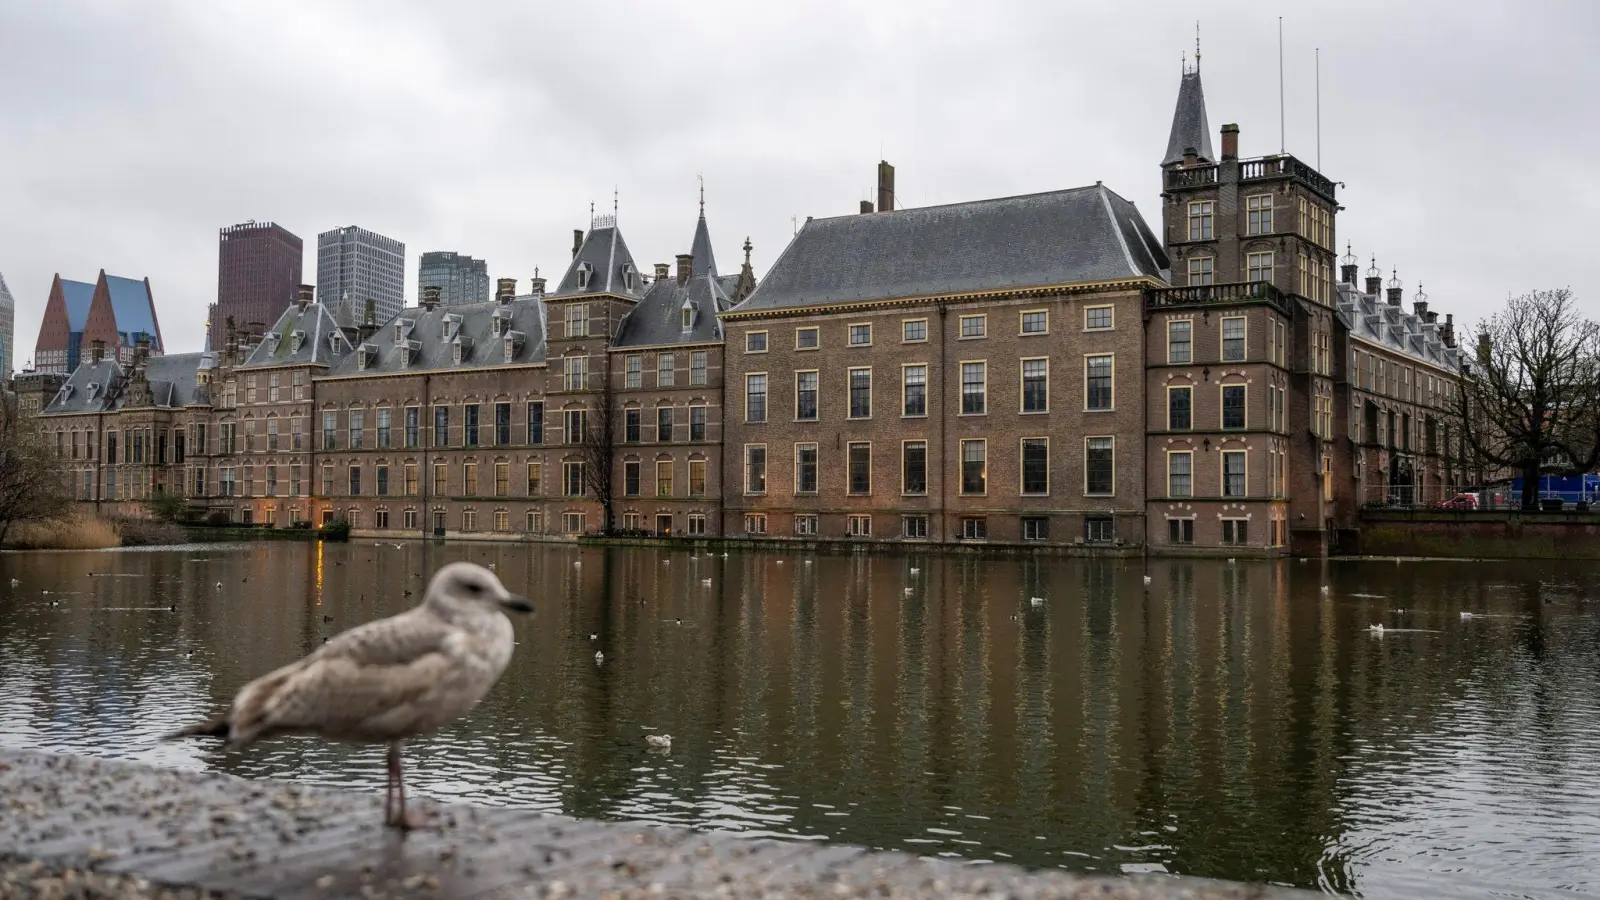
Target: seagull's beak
column 517, row 604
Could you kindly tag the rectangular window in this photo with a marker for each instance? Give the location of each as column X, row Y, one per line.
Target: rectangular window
column 914, row 390
column 697, row 368
column 536, row 422
column 755, row 342
column 697, row 480
column 1035, row 528
column 1233, row 412
column 1233, row 469
column 755, row 398
column 630, row 425
column 1258, row 266
column 470, row 424
column 664, row 424
column 860, row 393
column 974, row 467
column 859, row 526
column 413, row 426
column 575, row 372
column 1099, row 529
column 469, row 479
column 575, row 425
column 1259, row 212
column 441, row 426
column 1233, row 339
column 272, row 436
column 1097, row 318
column 1037, row 321
column 664, row 478
column 574, row 523
column 1235, row 531
column 535, row 479
column 807, row 338
column 805, row 525
column 755, row 468
column 861, row 335
column 805, row 396
column 412, row 479
column 914, row 526
column 355, row 481
column 1180, row 531
column 1099, row 466
column 974, row 326
column 860, row 468
column 974, row 388
column 1202, row 215
column 383, row 428
column 1035, row 385
column 755, row 523
column 573, row 475
column 914, row 467
column 1036, row 466
column 697, row 423
column 1097, row 389
column 666, row 369
column 577, row 323
column 974, row 528
column 633, row 380
column 1180, row 474
column 1202, row 271
column 630, row 478
column 1180, row 408
column 913, row 331
column 805, row 468
column 380, row 479
column 330, row 429
column 502, row 479
column 1179, row 336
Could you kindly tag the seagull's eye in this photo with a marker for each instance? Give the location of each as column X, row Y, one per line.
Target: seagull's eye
column 474, row 588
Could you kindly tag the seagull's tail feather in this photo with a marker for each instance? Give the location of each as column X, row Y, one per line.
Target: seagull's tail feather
column 217, row 728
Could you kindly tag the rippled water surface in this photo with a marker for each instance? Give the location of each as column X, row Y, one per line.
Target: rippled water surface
column 1227, row 720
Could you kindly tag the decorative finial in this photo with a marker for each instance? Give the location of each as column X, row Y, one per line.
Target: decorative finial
column 1374, row 271
column 747, row 249
column 1197, row 46
column 591, row 215
column 1349, row 255
column 616, row 201
column 1394, row 280
column 536, row 271
column 702, row 195
column 1421, row 296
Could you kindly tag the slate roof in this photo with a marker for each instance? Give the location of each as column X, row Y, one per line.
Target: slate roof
column 606, row 255
column 135, row 313
column 705, row 262
column 425, row 346
column 322, row 342
column 1371, row 318
column 658, row 319
column 1189, row 127
column 78, row 295
column 1086, row 234
column 172, row 384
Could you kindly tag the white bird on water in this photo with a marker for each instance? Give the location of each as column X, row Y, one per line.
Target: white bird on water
column 661, row 741
column 388, row 680
column 1375, row 629
column 1036, row 601
column 599, row 657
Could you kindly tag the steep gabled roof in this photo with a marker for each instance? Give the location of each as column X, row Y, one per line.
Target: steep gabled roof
column 1082, row 235
column 606, row 256
column 323, row 344
column 78, row 295
column 658, row 319
column 1189, row 126
column 705, row 262
column 102, row 386
column 134, row 310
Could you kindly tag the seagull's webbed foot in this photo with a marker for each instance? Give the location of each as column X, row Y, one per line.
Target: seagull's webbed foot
column 416, row 820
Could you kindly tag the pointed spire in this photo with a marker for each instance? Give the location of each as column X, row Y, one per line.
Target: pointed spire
column 705, row 262
column 1190, row 130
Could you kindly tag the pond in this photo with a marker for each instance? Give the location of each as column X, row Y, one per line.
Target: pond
column 1226, row 719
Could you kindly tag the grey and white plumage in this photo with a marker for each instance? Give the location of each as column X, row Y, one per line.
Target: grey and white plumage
column 388, row 680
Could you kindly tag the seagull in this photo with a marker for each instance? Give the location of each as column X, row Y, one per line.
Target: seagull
column 1326, row 588
column 594, row 636
column 1465, row 616
column 915, row 570
column 1375, row 629
column 15, row 582
column 908, row 592
column 172, row 607
column 662, row 741
column 1147, row 579
column 599, row 657
column 1037, row 601
column 706, row 582
column 577, row 564
column 219, row 585
column 388, row 680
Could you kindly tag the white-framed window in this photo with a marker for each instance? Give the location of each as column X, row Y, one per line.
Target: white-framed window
column 1202, row 271
column 1035, row 321
column 974, row 528
column 1099, row 393
column 1036, row 528
column 1180, row 473
column 913, row 331
column 1035, row 453
column 755, row 523
column 1258, row 212
column 974, row 388
column 755, row 342
column 1099, row 529
column 697, row 368
column 755, row 397
column 805, row 395
column 975, row 326
column 914, row 389
column 635, row 372
column 666, row 370
column 975, row 467
column 860, row 382
column 859, row 526
column 1233, row 328
column 755, row 468
column 577, row 324
column 809, row 338
column 697, row 524
column 1180, row 531
column 861, row 334
column 572, row 522
column 1098, row 318
column 859, row 468
column 1180, row 341
column 1036, row 385
column 914, row 468
column 914, row 527
column 805, row 525
column 1234, row 472
column 1258, row 266
column 807, row 476
column 1202, row 219
column 1099, row 466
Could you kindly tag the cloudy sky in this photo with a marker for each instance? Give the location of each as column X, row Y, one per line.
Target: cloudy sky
column 1465, row 132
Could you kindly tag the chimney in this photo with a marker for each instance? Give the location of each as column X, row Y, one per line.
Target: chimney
column 577, row 241
column 430, row 297
column 1420, row 308
column 1450, row 329
column 141, row 350
column 370, row 314
column 885, row 187
column 866, row 206
column 1374, row 278
column 662, row 269
column 1230, row 143
column 1190, row 156
column 99, row 349
column 1347, row 273
column 536, row 286
column 685, row 267
column 1396, row 290
column 303, row 300
column 505, row 289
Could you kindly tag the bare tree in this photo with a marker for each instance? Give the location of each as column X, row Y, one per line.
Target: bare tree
column 1530, row 398
column 599, row 443
column 33, row 487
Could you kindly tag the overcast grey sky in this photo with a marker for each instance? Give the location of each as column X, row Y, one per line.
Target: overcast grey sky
column 131, row 131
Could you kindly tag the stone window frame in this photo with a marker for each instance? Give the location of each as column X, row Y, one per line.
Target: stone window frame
column 1022, row 467
column 766, row 341
column 1099, row 437
column 1111, row 381
column 816, row 338
column 816, row 464
column 1189, row 454
column 1022, row 386
column 1111, row 312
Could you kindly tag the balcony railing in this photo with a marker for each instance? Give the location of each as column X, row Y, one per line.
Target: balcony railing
column 1286, row 166
column 1229, row 293
column 1198, row 176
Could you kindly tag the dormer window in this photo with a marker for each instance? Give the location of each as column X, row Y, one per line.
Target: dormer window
column 512, row 343
column 93, row 388
column 455, row 353
column 333, row 343
column 629, row 276
column 688, row 318
column 402, row 327
column 366, row 355
column 297, row 339
column 272, row 341
column 584, row 272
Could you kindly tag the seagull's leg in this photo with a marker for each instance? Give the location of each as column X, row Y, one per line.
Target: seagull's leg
column 405, row 821
column 389, row 817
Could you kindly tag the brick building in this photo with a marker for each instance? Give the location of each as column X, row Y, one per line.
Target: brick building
column 258, row 274
column 1042, row 370
column 114, row 310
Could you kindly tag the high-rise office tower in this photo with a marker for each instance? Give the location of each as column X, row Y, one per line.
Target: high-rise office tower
column 459, row 278
column 8, row 327
column 258, row 272
column 356, row 266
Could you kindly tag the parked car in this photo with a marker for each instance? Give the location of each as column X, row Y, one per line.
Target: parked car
column 1459, row 501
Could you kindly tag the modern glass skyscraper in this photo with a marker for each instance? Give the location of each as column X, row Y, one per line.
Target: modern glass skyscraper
column 8, row 327
column 355, row 265
column 459, row 278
